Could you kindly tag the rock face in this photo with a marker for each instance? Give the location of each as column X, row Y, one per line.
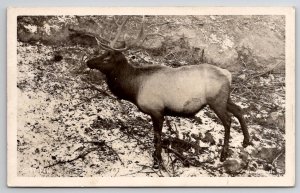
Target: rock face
column 251, row 41
column 264, row 47
column 153, row 44
column 228, row 41
column 227, row 58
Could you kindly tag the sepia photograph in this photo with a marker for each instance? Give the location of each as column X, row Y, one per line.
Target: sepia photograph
column 151, row 96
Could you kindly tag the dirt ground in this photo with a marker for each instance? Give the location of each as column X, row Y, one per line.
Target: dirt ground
column 70, row 125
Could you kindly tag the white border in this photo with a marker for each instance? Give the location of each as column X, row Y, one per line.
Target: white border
column 13, row 180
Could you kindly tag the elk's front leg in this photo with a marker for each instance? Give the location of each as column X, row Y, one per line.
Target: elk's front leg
column 158, row 120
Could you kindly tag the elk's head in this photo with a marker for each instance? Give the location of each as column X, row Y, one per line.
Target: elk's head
column 107, row 62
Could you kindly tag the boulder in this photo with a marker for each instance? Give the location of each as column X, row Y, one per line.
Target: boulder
column 261, row 47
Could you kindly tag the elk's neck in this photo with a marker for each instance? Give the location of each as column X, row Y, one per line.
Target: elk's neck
column 123, row 82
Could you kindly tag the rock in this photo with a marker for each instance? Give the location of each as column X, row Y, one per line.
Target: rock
column 212, row 17
column 278, row 119
column 242, row 76
column 81, row 39
column 268, row 154
column 233, row 166
column 267, row 167
column 281, row 123
column 251, row 150
column 243, row 155
column 227, row 58
column 217, row 50
column 208, row 138
column 194, row 38
column 154, row 43
column 274, row 116
column 253, row 166
column 254, row 137
column 261, row 47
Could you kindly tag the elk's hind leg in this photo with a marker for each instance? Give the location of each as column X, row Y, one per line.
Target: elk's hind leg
column 219, row 106
column 226, row 121
column 238, row 113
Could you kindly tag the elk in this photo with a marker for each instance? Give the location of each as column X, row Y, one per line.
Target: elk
column 161, row 91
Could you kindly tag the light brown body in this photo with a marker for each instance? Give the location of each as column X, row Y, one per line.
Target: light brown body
column 182, row 90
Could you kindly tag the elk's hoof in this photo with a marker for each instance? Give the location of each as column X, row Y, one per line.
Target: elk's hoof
column 223, row 158
column 157, row 161
column 246, row 143
column 224, row 155
column 156, row 166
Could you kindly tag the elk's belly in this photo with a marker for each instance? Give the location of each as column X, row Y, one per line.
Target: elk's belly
column 190, row 108
column 186, row 98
